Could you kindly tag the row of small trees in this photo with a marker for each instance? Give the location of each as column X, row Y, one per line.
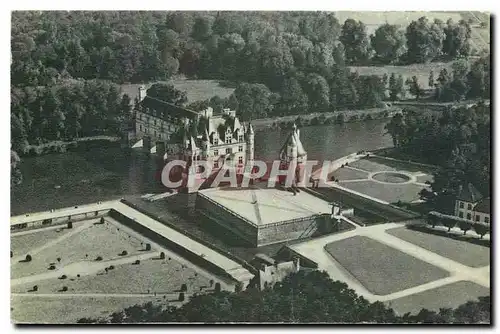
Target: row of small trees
column 436, row 218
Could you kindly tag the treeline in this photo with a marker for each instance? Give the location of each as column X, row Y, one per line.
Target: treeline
column 124, row 46
column 458, row 140
column 64, row 111
column 303, row 297
column 464, row 81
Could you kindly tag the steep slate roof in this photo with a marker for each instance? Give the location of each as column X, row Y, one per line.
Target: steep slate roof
column 469, row 193
column 166, row 108
column 483, row 206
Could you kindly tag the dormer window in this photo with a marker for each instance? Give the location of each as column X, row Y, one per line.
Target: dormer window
column 461, row 205
column 228, row 138
column 216, row 141
column 240, row 138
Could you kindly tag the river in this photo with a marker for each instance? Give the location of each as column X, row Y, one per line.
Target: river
column 61, row 180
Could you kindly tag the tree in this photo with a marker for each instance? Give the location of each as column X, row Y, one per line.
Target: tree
column 355, row 40
column 389, row 43
column 481, row 229
column 464, row 225
column 318, row 92
column 28, row 258
column 414, row 87
column 424, row 40
column 167, row 93
column 433, row 220
column 431, row 79
column 449, row 223
column 396, row 88
column 162, row 255
column 457, row 40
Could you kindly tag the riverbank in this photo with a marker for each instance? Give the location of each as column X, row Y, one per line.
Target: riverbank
column 61, row 146
column 335, row 117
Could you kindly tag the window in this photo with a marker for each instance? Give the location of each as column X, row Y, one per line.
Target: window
column 240, row 160
column 228, row 139
column 469, row 216
column 228, row 150
column 155, row 121
column 216, row 152
column 469, row 206
column 461, row 205
column 155, row 133
column 487, row 220
column 240, row 148
column 240, row 138
column 216, row 141
column 461, row 214
column 477, row 218
column 140, row 127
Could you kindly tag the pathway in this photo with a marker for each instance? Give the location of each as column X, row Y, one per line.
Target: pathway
column 315, row 249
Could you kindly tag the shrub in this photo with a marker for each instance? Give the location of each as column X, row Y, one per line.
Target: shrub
column 217, row 287
column 70, row 224
column 58, row 259
column 99, row 258
column 211, row 282
column 28, row 258
column 64, row 288
column 111, row 267
column 481, row 229
column 183, row 287
column 148, row 247
column 63, row 277
column 181, row 297
column 137, row 262
column 162, row 255
column 101, row 220
column 35, row 288
column 52, row 267
column 124, row 253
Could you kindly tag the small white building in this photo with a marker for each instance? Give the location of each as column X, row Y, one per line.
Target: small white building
column 471, row 205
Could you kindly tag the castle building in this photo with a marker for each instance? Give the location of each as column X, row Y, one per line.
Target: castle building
column 177, row 133
column 471, row 205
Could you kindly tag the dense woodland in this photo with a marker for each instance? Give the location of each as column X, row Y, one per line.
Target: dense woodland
column 303, row 297
column 282, row 62
column 458, row 140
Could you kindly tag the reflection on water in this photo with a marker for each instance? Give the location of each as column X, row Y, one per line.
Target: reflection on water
column 61, row 180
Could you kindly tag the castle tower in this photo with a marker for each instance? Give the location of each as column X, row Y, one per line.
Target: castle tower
column 293, row 155
column 250, row 143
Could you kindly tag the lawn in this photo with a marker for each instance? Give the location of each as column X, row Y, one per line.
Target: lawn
column 371, row 166
column 421, row 71
column 197, row 90
column 68, row 310
column 464, row 252
column 22, row 244
column 97, row 240
column 390, row 193
column 425, row 178
column 347, row 173
column 380, row 268
column 447, row 296
column 155, row 275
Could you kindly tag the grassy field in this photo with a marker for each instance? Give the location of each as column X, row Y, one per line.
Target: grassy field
column 58, row 310
column 96, row 240
column 386, row 192
column 22, row 244
column 447, row 296
column 464, row 252
column 380, row 268
column 347, row 173
column 197, row 90
column 155, row 275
